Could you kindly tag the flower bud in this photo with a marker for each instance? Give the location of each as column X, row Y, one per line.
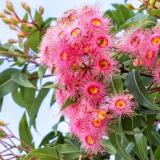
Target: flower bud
column 2, row 133
column 9, row 6
column 12, row 41
column 152, row 3
column 13, row 27
column 6, row 20
column 2, row 123
column 130, row 6
column 21, row 34
column 157, row 5
column 26, row 7
column 7, row 11
column 14, row 20
column 41, row 10
column 2, row 15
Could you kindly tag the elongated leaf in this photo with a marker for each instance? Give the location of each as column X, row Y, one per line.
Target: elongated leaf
column 116, row 84
column 25, row 134
column 119, row 15
column 22, row 80
column 6, row 83
column 68, row 102
column 46, row 153
column 116, row 142
column 47, row 138
column 48, row 22
column 1, row 103
column 109, row 147
column 34, row 108
column 141, row 147
column 157, row 154
column 136, row 87
column 41, row 71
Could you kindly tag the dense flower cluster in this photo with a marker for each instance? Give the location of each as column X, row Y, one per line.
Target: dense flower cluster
column 143, row 46
column 79, row 48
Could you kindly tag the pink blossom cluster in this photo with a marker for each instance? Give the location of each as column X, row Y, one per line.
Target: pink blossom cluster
column 143, row 46
column 79, row 49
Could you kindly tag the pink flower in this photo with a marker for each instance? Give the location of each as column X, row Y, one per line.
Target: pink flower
column 104, row 65
column 121, row 105
column 93, row 91
column 156, row 74
column 131, row 42
column 92, row 143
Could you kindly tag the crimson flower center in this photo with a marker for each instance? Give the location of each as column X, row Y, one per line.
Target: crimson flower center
column 89, row 140
column 93, row 90
column 102, row 42
column 135, row 41
column 104, row 64
column 63, row 56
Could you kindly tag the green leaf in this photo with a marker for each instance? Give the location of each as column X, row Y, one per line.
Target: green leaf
column 41, row 71
column 24, row 97
column 157, row 154
column 1, row 103
column 34, row 108
column 34, row 40
column 119, row 15
column 48, row 22
column 136, row 87
column 116, row 142
column 158, row 116
column 6, row 83
column 68, row 151
column 68, row 102
column 53, row 99
column 46, row 153
column 25, row 134
column 116, row 84
column 108, row 147
column 141, row 146
column 155, row 12
column 22, row 80
column 48, row 138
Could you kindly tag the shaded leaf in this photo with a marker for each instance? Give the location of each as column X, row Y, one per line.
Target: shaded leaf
column 68, row 102
column 6, row 83
column 22, row 80
column 136, row 87
column 34, row 108
column 25, row 134
column 46, row 153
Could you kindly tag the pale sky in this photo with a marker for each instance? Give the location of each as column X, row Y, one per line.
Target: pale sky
column 11, row 113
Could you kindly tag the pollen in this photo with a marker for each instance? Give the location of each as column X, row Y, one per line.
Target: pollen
column 135, row 41
column 63, row 56
column 121, row 104
column 87, row 49
column 97, row 122
column 149, row 55
column 102, row 114
column 102, row 42
column 93, row 90
column 156, row 40
column 61, row 35
column 96, row 22
column 75, row 32
column 74, row 67
column 104, row 64
column 90, row 140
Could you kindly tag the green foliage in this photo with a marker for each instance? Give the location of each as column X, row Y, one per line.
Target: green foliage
column 135, row 138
